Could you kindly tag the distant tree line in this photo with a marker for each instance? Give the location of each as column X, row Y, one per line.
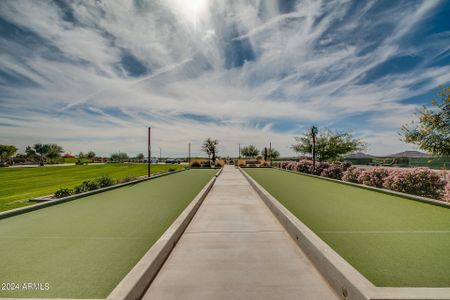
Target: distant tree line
column 251, row 151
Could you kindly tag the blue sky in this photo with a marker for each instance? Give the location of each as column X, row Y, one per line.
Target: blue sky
column 91, row 75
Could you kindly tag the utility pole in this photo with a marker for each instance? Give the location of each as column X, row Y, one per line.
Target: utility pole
column 149, row 152
column 313, row 133
column 189, row 153
column 270, row 153
column 239, row 151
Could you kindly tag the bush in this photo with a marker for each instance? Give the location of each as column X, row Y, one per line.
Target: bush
column 334, row 171
column 304, row 166
column 63, row 192
column 195, row 164
column 86, row 186
column 104, row 181
column 421, row 182
column 346, row 165
column 352, row 174
column 374, row 177
column 319, row 168
column 447, row 189
column 291, row 165
column 283, row 164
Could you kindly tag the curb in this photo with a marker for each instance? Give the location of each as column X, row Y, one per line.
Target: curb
column 22, row 210
column 341, row 276
column 137, row 281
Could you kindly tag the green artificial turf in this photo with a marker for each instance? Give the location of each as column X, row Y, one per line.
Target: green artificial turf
column 83, row 248
column 392, row 241
column 17, row 185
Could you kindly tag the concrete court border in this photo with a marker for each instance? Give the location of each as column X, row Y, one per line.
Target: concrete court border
column 343, row 277
column 22, row 210
column 136, row 282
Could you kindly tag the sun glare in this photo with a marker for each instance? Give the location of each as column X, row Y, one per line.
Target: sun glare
column 191, row 10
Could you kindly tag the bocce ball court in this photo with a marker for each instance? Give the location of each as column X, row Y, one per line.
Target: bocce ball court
column 83, row 248
column 393, row 241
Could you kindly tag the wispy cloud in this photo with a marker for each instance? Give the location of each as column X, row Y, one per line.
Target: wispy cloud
column 94, row 74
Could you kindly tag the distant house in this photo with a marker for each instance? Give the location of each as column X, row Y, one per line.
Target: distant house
column 68, row 155
column 410, row 154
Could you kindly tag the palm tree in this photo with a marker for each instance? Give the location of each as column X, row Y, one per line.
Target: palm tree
column 210, row 148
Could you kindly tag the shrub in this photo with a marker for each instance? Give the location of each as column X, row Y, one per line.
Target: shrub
column 195, row 164
column 63, row 192
column 447, row 189
column 104, row 181
column 420, row 181
column 373, row 177
column 335, row 170
column 283, row 164
column 319, row 168
column 86, row 186
column 346, row 165
column 304, row 166
column 291, row 165
column 352, row 174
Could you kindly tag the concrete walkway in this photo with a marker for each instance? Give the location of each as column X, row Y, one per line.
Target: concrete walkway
column 235, row 248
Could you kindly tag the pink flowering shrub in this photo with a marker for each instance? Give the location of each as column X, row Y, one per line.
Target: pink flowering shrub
column 447, row 189
column 420, row 181
column 352, row 174
column 335, row 170
column 292, row 165
column 320, row 166
column 373, row 177
column 304, row 166
column 283, row 164
column 346, row 165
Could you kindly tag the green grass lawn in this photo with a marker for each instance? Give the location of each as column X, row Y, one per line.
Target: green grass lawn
column 392, row 241
column 17, row 185
column 85, row 247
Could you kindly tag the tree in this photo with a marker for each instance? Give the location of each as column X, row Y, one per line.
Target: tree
column 432, row 131
column 81, row 155
column 120, row 157
column 30, row 153
column 54, row 151
column 6, row 151
column 42, row 150
column 90, row 155
column 329, row 145
column 249, row 151
column 140, row 156
column 210, row 148
column 47, row 150
column 272, row 153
